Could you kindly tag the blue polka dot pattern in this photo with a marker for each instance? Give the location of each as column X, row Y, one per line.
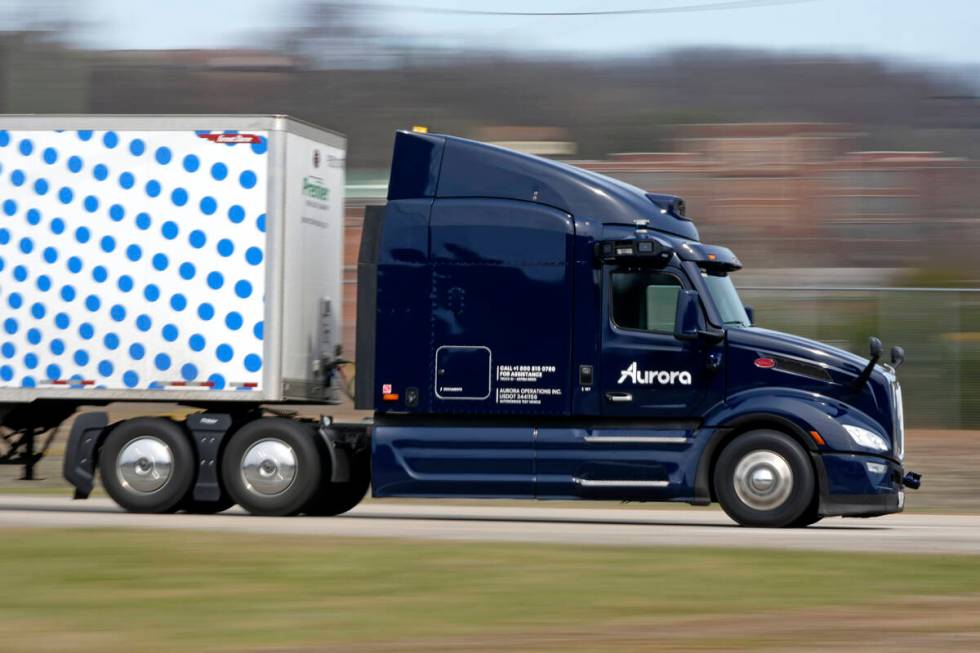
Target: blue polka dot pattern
column 224, row 353
column 136, row 351
column 208, row 205
column 118, row 268
column 179, row 196
column 188, row 372
column 226, row 247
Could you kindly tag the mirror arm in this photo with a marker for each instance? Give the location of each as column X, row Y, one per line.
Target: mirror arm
column 712, row 334
column 875, row 346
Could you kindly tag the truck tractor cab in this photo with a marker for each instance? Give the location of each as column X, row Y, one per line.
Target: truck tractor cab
column 529, row 329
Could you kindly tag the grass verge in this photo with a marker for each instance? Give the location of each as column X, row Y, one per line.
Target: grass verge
column 71, row 590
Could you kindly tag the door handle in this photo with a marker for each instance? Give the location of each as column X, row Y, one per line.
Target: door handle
column 619, row 397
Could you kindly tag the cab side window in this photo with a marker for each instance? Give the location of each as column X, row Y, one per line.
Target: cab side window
column 644, row 300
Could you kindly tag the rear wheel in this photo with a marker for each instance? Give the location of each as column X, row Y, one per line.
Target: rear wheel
column 272, row 466
column 337, row 498
column 764, row 478
column 195, row 507
column 147, row 465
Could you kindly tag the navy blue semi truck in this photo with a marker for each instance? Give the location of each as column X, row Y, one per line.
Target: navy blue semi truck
column 525, row 329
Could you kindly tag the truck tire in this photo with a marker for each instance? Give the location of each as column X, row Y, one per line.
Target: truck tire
column 272, row 466
column 195, row 507
column 147, row 465
column 337, row 498
column 764, row 478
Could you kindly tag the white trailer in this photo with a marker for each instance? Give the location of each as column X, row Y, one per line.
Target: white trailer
column 189, row 259
column 169, row 258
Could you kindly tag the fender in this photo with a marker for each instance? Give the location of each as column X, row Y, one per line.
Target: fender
column 208, row 431
column 800, row 411
column 205, row 431
column 343, row 443
column 794, row 412
column 84, row 440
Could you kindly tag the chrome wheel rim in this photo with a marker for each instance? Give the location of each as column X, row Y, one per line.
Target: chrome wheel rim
column 763, row 480
column 268, row 467
column 145, row 465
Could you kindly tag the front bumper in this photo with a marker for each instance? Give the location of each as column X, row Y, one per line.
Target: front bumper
column 856, row 485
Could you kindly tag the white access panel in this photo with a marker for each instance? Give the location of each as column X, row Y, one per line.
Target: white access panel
column 313, row 261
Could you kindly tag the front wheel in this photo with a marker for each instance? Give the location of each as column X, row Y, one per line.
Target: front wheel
column 764, row 478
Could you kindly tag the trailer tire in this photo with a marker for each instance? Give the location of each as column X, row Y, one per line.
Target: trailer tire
column 147, row 465
column 337, row 498
column 764, row 478
column 272, row 466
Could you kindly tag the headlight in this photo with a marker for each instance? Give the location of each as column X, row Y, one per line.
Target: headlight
column 865, row 438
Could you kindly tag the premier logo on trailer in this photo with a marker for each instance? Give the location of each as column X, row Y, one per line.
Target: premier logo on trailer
column 232, row 139
column 651, row 377
column 313, row 188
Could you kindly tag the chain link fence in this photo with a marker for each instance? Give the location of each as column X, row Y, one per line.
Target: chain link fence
column 938, row 327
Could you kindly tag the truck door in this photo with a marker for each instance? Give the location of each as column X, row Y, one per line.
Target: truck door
column 644, row 369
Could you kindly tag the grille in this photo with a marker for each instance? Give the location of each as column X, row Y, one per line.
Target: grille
column 898, row 417
column 803, row 369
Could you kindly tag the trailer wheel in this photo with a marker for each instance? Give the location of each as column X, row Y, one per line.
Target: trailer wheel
column 337, row 498
column 764, row 478
column 147, row 465
column 272, row 466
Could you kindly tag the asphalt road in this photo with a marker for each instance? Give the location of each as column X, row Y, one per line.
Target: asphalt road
column 942, row 534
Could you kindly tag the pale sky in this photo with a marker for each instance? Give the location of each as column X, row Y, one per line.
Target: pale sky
column 931, row 32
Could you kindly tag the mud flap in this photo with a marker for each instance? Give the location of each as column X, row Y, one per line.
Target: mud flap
column 207, row 432
column 83, row 442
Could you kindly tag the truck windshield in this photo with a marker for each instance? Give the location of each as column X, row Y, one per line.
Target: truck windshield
column 726, row 300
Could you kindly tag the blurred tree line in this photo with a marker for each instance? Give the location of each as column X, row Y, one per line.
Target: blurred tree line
column 343, row 70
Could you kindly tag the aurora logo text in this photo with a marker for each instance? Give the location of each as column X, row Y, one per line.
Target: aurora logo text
column 650, row 377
